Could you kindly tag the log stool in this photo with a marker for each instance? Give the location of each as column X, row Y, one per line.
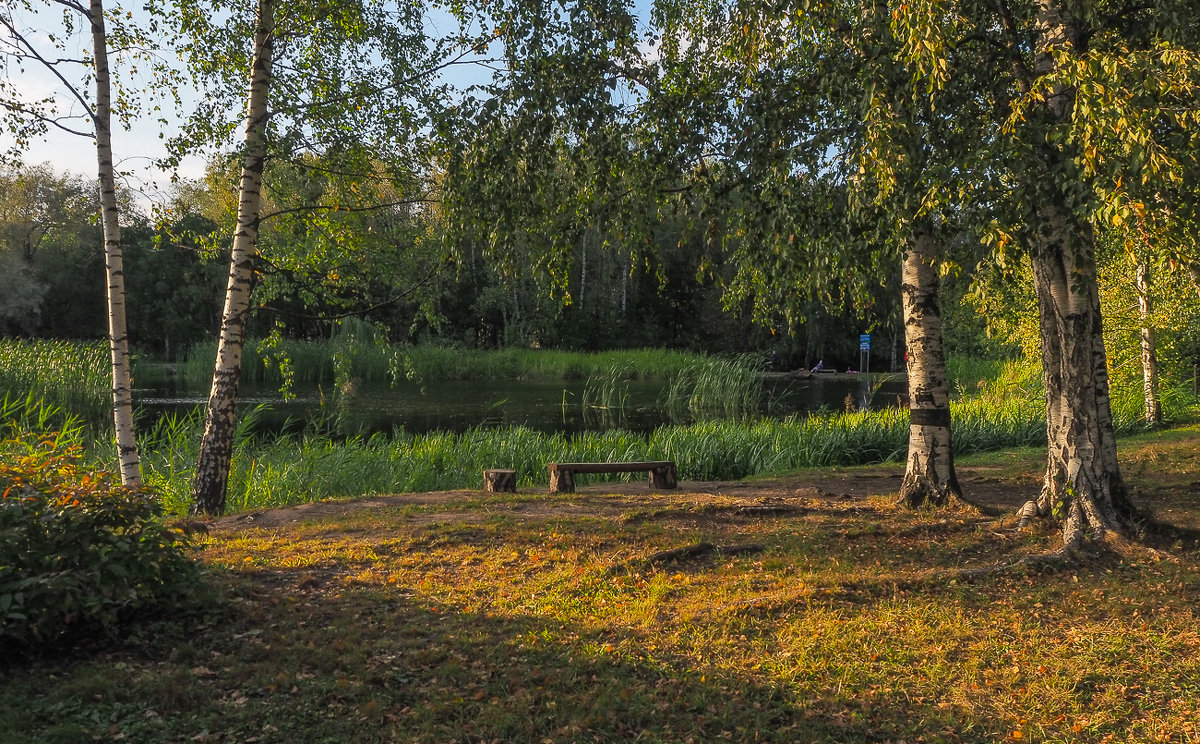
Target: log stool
column 500, row 480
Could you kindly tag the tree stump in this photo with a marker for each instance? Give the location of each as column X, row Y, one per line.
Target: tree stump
column 495, row 481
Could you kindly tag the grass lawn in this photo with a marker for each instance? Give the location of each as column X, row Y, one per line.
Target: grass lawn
column 822, row 613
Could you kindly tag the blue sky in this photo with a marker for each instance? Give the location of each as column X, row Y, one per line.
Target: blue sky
column 137, row 148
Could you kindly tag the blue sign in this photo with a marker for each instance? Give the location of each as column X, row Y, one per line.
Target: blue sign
column 864, row 342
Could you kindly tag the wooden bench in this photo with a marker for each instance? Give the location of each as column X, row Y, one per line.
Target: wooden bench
column 562, row 474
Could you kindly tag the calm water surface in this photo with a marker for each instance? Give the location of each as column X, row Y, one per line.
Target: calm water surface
column 545, row 405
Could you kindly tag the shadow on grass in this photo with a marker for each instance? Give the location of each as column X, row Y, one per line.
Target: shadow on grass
column 295, row 662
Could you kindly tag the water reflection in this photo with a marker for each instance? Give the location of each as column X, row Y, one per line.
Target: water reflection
column 368, row 408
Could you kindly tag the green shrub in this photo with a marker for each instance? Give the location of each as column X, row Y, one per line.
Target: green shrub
column 78, row 551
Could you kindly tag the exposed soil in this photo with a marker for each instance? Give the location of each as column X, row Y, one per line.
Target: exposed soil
column 855, row 488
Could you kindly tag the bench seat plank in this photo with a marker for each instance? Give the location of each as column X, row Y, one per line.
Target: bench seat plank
column 562, row 474
column 609, row 467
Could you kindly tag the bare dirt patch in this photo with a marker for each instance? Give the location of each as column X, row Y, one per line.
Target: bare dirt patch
column 855, row 488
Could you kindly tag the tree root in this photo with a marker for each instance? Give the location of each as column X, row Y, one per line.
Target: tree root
column 1027, row 513
column 929, row 497
column 1070, row 555
column 1055, row 559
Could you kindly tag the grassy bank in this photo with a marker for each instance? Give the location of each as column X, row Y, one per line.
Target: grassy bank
column 1000, row 405
column 1008, row 412
column 473, row 618
column 291, row 470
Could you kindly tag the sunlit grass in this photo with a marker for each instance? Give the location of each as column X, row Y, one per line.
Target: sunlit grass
column 476, row 617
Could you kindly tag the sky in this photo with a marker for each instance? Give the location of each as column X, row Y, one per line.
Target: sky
column 135, row 149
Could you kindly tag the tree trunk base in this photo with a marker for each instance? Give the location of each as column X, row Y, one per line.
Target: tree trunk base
column 921, row 493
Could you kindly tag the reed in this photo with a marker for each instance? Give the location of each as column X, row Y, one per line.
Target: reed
column 310, row 467
column 71, row 376
column 714, row 388
column 605, row 396
column 32, row 418
column 48, row 384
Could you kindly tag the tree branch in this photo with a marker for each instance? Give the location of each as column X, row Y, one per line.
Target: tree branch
column 45, row 119
column 459, row 60
column 48, row 65
column 360, row 311
column 77, row 7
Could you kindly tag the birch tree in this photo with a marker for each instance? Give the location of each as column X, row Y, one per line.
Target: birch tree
column 832, row 94
column 1072, row 115
column 81, row 113
column 350, row 82
column 1091, row 111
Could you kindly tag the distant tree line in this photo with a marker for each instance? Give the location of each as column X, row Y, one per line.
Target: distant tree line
column 51, row 286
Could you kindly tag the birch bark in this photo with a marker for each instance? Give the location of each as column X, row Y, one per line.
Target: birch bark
column 1083, row 487
column 1153, row 407
column 929, row 477
column 118, row 338
column 216, row 450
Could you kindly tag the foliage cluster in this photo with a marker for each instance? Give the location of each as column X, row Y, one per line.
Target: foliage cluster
column 78, row 551
column 52, row 280
column 312, row 275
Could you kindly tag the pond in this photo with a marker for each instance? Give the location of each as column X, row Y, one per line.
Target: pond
column 545, row 405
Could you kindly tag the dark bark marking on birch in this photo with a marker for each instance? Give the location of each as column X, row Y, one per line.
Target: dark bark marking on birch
column 930, row 416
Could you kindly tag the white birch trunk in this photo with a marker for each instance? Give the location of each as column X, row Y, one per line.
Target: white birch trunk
column 583, row 268
column 1149, row 347
column 114, row 267
column 1083, row 487
column 216, row 449
column 929, row 477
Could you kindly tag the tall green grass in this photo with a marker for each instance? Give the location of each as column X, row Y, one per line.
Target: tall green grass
column 605, row 397
column 30, row 417
column 968, row 375
column 310, row 467
column 58, row 386
column 713, row 388
column 68, row 375
column 1014, row 389
column 359, row 355
column 353, row 353
column 295, row 469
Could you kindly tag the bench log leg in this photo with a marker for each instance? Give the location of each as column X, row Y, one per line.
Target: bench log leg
column 562, row 481
column 500, row 480
column 663, row 478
